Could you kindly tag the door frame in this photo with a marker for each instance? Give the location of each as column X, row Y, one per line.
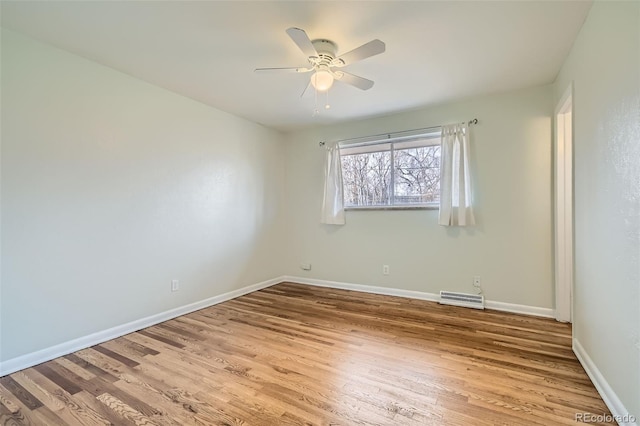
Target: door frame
column 563, row 219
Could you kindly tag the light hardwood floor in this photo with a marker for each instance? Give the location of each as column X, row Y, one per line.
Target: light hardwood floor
column 295, row 354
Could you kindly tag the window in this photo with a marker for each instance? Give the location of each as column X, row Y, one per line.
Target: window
column 401, row 172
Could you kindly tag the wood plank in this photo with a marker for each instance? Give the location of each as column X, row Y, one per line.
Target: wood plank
column 102, row 410
column 161, row 339
column 75, row 368
column 47, row 398
column 69, row 408
column 118, row 357
column 67, row 384
column 124, row 410
column 93, row 369
column 19, row 413
column 30, row 401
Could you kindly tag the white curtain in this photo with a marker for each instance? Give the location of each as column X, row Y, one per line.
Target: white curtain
column 333, row 201
column 455, row 177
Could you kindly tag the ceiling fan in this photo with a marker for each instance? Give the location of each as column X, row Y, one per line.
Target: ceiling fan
column 324, row 63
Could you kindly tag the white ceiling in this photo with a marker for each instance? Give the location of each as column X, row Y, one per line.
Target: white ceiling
column 207, row 50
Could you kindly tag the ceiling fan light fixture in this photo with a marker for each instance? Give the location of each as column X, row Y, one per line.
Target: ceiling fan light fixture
column 323, row 61
column 322, row 80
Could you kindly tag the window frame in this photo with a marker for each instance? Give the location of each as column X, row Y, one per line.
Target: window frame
column 434, row 135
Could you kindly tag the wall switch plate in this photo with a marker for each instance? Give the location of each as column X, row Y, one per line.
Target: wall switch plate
column 385, row 269
column 175, row 285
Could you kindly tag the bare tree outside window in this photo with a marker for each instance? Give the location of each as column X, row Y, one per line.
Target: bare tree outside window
column 366, row 179
column 417, row 175
column 392, row 174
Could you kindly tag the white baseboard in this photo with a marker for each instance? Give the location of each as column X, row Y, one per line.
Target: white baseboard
column 364, row 288
column 34, row 358
column 619, row 412
column 498, row 306
column 520, row 309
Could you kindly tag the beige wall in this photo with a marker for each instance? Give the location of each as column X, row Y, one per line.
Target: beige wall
column 111, row 188
column 511, row 246
column 604, row 65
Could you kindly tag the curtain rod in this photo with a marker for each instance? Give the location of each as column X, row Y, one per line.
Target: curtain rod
column 394, row 134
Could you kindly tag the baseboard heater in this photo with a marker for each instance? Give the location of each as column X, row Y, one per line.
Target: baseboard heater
column 475, row 301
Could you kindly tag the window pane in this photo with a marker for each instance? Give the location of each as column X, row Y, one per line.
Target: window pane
column 371, row 178
column 417, row 175
column 366, row 179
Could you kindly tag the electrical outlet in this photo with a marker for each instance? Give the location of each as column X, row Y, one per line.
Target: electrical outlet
column 305, row 266
column 476, row 284
column 385, row 269
column 476, row 281
column 175, row 285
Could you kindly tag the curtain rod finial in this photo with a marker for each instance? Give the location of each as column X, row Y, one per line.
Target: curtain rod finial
column 321, row 143
column 474, row 121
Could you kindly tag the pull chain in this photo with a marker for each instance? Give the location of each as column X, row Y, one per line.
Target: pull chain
column 315, row 111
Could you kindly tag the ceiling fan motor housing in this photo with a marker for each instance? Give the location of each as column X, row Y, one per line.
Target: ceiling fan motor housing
column 326, row 51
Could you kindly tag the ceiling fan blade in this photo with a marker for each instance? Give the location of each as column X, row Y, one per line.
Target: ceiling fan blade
column 285, row 69
column 374, row 47
column 354, row 80
column 301, row 39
